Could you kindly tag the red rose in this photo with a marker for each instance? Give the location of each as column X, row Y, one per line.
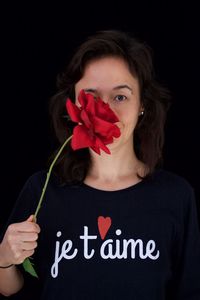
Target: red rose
column 95, row 120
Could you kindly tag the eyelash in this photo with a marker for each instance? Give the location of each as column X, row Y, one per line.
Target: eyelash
column 124, row 98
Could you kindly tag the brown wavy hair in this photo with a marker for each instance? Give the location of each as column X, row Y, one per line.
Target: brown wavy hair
column 72, row 166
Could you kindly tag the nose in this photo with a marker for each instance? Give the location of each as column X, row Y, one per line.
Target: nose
column 105, row 99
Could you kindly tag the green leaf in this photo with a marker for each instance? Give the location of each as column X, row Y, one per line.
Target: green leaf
column 28, row 267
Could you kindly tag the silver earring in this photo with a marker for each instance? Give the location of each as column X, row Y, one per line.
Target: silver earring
column 142, row 113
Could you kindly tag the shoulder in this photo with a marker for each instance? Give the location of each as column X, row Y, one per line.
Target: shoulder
column 173, row 186
column 38, row 178
column 36, row 182
column 171, row 180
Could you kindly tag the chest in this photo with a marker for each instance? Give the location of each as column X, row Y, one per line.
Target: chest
column 103, row 238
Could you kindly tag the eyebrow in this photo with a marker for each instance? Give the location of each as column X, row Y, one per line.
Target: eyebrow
column 123, row 86
column 118, row 87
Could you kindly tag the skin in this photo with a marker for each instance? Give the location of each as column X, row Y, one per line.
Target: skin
column 110, row 79
column 19, row 242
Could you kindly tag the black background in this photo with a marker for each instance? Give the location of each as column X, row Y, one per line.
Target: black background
column 37, row 40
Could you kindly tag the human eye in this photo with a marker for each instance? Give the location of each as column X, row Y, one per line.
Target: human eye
column 120, row 98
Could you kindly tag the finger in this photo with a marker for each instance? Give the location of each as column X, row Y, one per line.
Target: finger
column 27, row 236
column 31, row 218
column 26, row 226
column 28, row 253
column 28, row 246
column 24, row 254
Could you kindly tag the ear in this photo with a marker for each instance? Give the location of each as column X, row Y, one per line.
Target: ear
column 141, row 110
column 141, row 113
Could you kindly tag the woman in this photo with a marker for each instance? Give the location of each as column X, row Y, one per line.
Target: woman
column 112, row 226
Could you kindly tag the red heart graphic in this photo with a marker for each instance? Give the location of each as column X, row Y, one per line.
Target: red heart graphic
column 104, row 225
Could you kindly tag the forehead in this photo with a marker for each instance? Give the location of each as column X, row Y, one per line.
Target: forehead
column 107, row 70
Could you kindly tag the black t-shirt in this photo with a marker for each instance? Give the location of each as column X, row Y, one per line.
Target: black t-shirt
column 141, row 242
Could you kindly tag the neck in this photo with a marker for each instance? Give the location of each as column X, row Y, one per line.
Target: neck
column 115, row 166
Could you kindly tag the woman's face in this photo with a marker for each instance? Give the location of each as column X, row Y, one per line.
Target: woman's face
column 110, row 79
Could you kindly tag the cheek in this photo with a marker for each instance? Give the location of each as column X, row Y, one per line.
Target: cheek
column 118, row 111
column 128, row 118
column 77, row 90
column 128, row 123
column 76, row 100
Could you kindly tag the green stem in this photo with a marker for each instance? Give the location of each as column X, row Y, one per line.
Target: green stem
column 48, row 176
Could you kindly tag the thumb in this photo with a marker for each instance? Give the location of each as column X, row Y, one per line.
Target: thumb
column 31, row 218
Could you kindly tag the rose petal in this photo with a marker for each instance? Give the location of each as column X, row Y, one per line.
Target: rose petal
column 96, row 149
column 85, row 119
column 81, row 138
column 103, row 111
column 97, row 120
column 101, row 145
column 73, row 111
column 105, row 128
column 115, row 131
column 107, row 140
column 90, row 106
